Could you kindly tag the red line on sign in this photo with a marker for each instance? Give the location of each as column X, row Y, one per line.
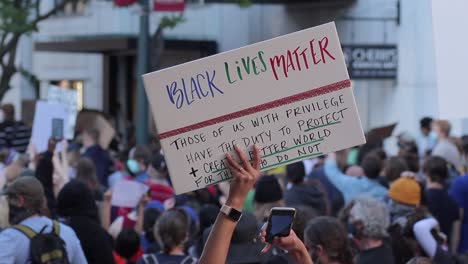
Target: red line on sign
column 248, row 111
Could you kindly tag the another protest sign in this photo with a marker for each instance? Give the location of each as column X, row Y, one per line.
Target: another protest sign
column 128, row 193
column 67, row 97
column 291, row 95
column 45, row 115
column 91, row 119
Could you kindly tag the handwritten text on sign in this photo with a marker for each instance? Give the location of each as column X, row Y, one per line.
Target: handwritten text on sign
column 291, row 95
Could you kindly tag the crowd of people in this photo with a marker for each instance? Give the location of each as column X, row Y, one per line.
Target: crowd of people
column 358, row 205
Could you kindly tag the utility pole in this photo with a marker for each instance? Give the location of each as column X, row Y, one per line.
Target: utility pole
column 141, row 126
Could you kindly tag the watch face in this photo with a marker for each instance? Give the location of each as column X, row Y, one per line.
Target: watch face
column 235, row 215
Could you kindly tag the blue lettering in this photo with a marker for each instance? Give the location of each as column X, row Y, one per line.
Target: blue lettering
column 180, row 94
column 174, row 92
column 193, row 88
column 186, row 94
column 199, row 86
column 211, row 83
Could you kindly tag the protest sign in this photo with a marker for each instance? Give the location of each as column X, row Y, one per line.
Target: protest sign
column 451, row 56
column 91, row 119
column 291, row 95
column 67, row 97
column 45, row 115
column 128, row 193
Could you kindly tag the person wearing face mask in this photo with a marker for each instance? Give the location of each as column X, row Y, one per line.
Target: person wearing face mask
column 26, row 200
column 428, row 138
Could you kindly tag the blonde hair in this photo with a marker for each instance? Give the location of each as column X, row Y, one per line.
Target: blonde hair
column 444, row 126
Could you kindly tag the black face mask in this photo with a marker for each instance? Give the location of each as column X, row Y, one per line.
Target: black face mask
column 16, row 214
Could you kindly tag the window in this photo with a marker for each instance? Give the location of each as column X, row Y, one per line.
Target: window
column 72, row 8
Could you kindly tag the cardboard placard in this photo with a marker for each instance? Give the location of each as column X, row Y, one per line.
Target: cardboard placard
column 44, row 116
column 90, row 119
column 291, row 95
column 67, row 97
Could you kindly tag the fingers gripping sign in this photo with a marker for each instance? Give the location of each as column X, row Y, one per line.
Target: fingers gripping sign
column 244, row 175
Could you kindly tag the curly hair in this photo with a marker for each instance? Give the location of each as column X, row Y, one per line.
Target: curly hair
column 374, row 215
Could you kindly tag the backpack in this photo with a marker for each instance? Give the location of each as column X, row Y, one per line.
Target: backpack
column 45, row 248
column 152, row 259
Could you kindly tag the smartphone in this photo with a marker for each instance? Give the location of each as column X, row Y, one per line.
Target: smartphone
column 57, row 128
column 279, row 222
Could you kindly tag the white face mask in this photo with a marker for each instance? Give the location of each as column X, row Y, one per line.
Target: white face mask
column 2, row 116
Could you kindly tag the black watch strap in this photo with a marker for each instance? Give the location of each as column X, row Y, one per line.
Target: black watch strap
column 232, row 213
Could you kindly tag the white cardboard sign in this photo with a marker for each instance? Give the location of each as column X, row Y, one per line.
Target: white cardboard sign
column 128, row 193
column 291, row 95
column 67, row 97
column 44, row 115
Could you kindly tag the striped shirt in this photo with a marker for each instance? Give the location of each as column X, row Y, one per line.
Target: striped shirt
column 15, row 135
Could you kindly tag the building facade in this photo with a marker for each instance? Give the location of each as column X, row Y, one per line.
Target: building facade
column 217, row 27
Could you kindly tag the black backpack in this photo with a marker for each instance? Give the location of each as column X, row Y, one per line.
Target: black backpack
column 45, row 248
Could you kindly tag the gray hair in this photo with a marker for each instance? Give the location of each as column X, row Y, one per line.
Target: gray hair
column 374, row 215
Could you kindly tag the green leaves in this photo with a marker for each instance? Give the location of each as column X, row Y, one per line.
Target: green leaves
column 172, row 21
column 14, row 19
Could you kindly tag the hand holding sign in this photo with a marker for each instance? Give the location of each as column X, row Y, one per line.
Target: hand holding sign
column 244, row 176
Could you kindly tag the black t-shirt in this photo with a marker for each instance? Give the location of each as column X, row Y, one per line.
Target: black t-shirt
column 380, row 255
column 443, row 208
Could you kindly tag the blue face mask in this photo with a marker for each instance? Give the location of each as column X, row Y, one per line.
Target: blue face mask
column 433, row 135
column 133, row 166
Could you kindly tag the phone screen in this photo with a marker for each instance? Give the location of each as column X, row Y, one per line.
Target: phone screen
column 57, row 128
column 279, row 223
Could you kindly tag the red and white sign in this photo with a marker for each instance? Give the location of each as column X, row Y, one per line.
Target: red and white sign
column 169, row 5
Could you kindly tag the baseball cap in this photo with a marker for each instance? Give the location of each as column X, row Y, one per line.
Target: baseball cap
column 28, row 187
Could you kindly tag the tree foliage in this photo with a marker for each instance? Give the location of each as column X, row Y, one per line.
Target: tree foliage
column 19, row 18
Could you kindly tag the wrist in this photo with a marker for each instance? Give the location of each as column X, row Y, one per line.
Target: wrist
column 300, row 254
column 237, row 204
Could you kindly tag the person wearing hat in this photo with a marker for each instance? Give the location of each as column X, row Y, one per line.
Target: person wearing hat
column 26, row 200
column 268, row 194
column 405, row 196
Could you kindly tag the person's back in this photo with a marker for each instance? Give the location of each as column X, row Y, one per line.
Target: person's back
column 382, row 254
column 26, row 200
column 458, row 191
column 439, row 203
column 97, row 154
column 352, row 187
column 75, row 203
column 307, row 195
column 15, row 245
column 171, row 230
column 335, row 197
column 102, row 161
column 301, row 194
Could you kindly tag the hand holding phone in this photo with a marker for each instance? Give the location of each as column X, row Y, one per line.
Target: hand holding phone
column 279, row 222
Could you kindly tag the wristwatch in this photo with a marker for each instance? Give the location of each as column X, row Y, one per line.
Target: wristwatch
column 232, row 213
